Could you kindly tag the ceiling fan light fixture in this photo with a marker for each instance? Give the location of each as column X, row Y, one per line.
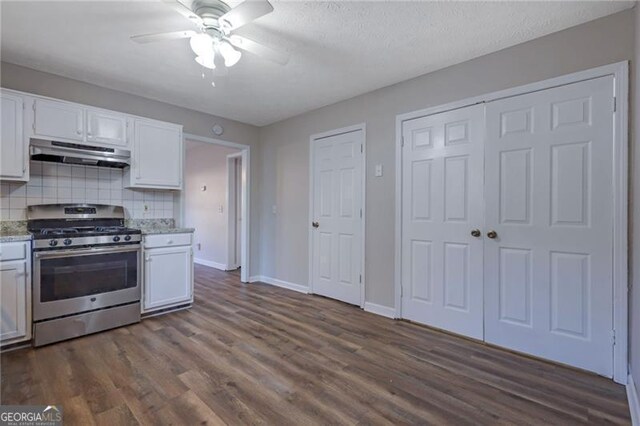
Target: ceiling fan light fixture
column 202, row 45
column 231, row 56
column 206, row 61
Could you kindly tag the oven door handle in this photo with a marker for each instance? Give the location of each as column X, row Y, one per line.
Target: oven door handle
column 84, row 251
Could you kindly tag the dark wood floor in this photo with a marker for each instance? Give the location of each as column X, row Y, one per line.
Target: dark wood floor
column 257, row 354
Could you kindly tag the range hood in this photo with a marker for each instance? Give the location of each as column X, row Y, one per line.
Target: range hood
column 73, row 153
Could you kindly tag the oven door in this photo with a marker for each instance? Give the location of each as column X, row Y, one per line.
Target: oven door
column 73, row 281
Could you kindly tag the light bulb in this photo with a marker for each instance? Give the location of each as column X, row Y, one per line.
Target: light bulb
column 202, row 45
column 231, row 56
column 206, row 61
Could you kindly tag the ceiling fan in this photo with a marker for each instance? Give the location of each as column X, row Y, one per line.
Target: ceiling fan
column 214, row 43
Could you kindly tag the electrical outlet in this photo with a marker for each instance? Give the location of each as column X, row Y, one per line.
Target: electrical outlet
column 146, row 207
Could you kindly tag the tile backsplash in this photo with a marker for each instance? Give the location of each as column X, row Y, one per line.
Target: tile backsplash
column 63, row 183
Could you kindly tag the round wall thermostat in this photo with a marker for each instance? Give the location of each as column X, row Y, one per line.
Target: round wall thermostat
column 217, row 129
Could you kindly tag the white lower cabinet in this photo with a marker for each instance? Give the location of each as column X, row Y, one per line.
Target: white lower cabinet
column 15, row 292
column 168, row 271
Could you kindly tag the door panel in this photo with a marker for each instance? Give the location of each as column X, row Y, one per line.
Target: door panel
column 12, row 149
column 167, row 277
column 549, row 197
column 337, row 202
column 58, row 120
column 157, row 154
column 106, row 127
column 442, row 202
column 13, row 298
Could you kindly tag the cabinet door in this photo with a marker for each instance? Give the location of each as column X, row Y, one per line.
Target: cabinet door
column 157, row 155
column 106, row 127
column 12, row 144
column 167, row 277
column 58, row 120
column 13, row 299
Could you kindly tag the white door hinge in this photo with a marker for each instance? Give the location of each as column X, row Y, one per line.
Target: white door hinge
column 360, row 213
column 360, row 279
column 361, row 148
column 402, row 141
column 615, row 103
column 613, row 337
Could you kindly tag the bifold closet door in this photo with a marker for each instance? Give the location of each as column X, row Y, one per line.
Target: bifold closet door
column 549, row 200
column 442, row 204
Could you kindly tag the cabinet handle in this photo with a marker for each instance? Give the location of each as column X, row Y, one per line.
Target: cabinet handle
column 170, row 242
column 79, row 131
column 476, row 233
column 148, row 259
column 492, row 234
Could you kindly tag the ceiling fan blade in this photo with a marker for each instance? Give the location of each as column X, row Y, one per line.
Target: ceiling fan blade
column 151, row 38
column 258, row 49
column 245, row 12
column 183, row 10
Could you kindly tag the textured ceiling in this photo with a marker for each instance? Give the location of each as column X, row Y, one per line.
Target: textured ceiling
column 338, row 49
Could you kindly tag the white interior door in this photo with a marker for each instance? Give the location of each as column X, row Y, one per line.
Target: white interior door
column 442, row 167
column 337, row 203
column 549, row 198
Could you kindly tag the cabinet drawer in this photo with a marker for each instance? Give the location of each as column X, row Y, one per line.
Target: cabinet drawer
column 13, row 251
column 167, row 240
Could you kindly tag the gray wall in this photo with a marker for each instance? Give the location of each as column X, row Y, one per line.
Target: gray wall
column 284, row 178
column 206, row 165
column 634, row 315
column 194, row 122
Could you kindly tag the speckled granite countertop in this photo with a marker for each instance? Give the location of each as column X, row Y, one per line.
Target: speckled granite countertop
column 151, row 231
column 157, row 226
column 14, row 230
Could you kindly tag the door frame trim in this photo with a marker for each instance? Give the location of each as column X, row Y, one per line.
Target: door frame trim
column 231, row 212
column 245, row 151
column 620, row 72
column 317, row 136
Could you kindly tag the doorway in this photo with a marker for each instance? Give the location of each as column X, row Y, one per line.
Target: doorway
column 211, row 245
column 337, row 214
column 234, row 211
column 534, row 267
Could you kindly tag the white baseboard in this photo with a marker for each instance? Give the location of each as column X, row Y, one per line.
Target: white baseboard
column 634, row 402
column 384, row 311
column 211, row 264
column 279, row 283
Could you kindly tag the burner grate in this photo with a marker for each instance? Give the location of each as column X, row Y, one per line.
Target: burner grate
column 58, row 231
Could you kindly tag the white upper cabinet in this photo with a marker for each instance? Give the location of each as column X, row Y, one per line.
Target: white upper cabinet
column 156, row 155
column 107, row 127
column 156, row 146
column 13, row 151
column 58, row 120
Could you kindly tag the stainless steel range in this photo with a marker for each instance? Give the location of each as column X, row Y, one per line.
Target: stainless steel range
column 86, row 270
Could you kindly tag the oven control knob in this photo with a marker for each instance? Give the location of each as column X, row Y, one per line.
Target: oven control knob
column 53, row 243
column 127, row 238
column 67, row 241
column 116, row 239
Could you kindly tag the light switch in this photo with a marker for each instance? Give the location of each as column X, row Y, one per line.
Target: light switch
column 378, row 172
column 220, row 209
column 274, row 209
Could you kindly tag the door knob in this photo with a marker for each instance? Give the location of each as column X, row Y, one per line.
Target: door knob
column 476, row 233
column 315, row 224
column 492, row 234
